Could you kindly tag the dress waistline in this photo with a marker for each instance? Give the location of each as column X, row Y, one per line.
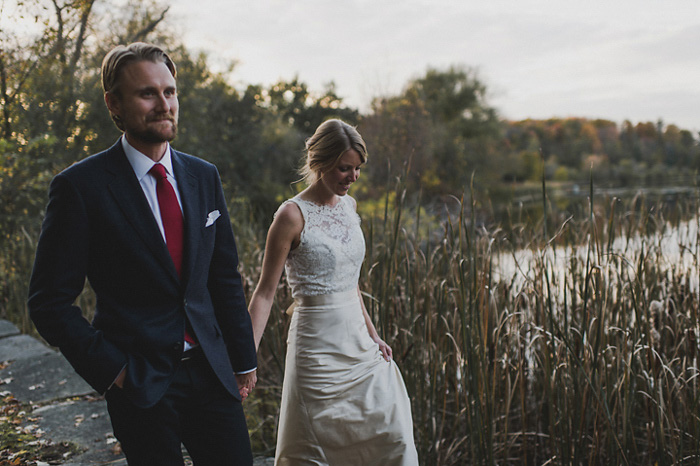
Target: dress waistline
column 340, row 297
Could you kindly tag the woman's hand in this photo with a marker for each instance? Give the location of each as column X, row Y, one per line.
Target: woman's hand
column 246, row 383
column 387, row 353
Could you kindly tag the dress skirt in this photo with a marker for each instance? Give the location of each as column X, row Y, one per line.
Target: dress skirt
column 342, row 402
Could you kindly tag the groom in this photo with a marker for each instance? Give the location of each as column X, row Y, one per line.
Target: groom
column 171, row 342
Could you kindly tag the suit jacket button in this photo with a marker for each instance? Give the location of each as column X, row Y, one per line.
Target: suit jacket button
column 178, row 346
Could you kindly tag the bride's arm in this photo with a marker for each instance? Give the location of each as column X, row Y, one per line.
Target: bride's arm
column 283, row 236
column 384, row 348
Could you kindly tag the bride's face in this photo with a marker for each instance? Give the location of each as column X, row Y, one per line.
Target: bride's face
column 338, row 179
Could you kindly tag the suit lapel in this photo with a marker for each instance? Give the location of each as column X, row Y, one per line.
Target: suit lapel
column 193, row 210
column 128, row 193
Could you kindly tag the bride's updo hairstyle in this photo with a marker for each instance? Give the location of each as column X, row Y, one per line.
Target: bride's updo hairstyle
column 324, row 149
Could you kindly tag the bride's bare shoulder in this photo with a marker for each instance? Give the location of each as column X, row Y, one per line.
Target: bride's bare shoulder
column 289, row 214
column 352, row 200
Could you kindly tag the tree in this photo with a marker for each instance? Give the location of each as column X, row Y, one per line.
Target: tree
column 399, row 141
column 297, row 106
column 440, row 126
column 50, row 82
column 456, row 97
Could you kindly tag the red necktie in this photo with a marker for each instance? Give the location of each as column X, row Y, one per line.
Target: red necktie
column 171, row 215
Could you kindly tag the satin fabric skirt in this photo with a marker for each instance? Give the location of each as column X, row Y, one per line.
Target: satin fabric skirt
column 342, row 402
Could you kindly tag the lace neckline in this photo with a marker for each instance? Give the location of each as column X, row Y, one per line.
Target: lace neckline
column 322, row 206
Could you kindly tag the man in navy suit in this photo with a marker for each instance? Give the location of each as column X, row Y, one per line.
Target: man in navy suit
column 171, row 344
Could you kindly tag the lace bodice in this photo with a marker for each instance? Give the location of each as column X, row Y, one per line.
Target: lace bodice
column 332, row 248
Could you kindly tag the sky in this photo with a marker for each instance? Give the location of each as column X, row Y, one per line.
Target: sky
column 613, row 59
column 636, row 60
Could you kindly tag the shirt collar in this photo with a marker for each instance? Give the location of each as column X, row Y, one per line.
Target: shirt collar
column 142, row 163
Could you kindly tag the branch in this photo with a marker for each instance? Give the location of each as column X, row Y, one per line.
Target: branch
column 7, row 129
column 150, row 27
column 84, row 17
column 59, row 46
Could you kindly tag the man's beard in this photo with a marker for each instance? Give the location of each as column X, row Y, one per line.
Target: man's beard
column 151, row 136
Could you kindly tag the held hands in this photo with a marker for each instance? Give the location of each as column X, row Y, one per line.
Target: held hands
column 246, row 383
column 387, row 353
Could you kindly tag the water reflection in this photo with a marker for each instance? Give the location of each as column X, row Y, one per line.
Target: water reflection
column 673, row 249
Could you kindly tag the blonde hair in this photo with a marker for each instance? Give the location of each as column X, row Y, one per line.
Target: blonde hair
column 121, row 56
column 332, row 139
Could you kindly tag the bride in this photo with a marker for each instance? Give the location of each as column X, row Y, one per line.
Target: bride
column 344, row 401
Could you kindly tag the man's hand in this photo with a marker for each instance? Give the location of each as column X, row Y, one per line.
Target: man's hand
column 119, row 382
column 246, row 383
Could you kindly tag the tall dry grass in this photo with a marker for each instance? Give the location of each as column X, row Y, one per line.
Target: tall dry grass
column 520, row 345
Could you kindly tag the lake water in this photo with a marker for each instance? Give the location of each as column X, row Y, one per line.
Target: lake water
column 674, row 250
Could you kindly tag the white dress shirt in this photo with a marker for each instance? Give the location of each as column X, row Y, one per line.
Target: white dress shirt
column 142, row 164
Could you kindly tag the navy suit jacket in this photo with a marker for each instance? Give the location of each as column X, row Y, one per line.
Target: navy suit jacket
column 99, row 226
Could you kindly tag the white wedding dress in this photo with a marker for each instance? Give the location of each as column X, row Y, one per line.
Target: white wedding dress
column 342, row 403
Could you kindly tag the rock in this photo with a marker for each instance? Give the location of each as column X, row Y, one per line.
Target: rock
column 21, row 347
column 8, row 329
column 42, row 378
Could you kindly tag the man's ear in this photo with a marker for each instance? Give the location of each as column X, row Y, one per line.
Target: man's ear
column 112, row 102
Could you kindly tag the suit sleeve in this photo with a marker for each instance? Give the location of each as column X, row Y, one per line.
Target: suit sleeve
column 226, row 289
column 58, row 278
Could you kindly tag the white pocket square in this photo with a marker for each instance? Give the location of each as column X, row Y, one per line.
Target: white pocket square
column 213, row 215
